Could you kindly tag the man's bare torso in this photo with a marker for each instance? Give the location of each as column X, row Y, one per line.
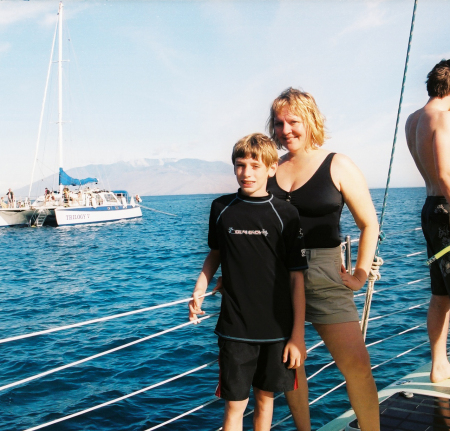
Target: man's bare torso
column 421, row 128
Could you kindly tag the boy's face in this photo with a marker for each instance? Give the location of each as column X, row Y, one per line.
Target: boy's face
column 252, row 175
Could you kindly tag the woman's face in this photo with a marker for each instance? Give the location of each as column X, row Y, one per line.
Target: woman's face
column 290, row 130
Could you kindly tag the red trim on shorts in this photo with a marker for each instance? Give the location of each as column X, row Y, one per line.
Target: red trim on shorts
column 296, row 381
column 219, row 385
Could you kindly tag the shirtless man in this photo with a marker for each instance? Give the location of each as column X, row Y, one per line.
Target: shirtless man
column 428, row 138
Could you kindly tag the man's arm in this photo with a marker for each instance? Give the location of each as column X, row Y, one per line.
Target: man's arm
column 210, row 266
column 441, row 151
column 295, row 350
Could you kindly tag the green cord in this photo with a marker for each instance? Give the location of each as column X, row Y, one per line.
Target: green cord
column 438, row 255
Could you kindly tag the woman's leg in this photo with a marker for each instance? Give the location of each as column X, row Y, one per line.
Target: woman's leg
column 346, row 344
column 234, row 413
column 298, row 402
column 262, row 418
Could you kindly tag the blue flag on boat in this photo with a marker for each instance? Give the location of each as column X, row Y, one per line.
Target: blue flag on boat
column 65, row 180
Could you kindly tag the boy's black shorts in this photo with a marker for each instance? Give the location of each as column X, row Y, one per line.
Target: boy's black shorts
column 252, row 364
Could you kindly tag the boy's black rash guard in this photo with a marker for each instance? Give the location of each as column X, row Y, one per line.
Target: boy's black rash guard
column 259, row 239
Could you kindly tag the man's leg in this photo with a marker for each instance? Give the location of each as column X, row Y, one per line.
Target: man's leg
column 346, row 344
column 437, row 323
column 262, row 418
column 298, row 402
column 234, row 413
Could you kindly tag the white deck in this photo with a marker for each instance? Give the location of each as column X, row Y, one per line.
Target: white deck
column 417, row 382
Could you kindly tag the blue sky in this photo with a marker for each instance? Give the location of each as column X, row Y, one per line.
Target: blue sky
column 176, row 79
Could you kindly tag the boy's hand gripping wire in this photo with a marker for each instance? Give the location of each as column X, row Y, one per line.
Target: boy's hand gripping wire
column 195, row 306
column 195, row 309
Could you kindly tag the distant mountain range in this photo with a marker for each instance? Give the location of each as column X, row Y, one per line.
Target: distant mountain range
column 151, row 177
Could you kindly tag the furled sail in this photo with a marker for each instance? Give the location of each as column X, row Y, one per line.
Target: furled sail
column 65, row 180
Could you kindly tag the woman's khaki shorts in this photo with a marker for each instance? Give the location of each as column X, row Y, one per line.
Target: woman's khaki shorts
column 327, row 299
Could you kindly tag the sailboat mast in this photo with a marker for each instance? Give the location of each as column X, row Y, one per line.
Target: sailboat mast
column 60, row 12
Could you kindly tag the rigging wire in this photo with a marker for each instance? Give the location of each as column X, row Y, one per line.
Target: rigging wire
column 100, row 319
column 394, row 287
column 383, row 210
column 98, row 355
column 369, row 291
column 140, row 391
column 278, row 396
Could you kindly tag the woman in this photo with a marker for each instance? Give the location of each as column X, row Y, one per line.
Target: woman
column 318, row 183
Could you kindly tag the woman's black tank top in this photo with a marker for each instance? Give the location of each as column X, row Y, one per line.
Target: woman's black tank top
column 319, row 204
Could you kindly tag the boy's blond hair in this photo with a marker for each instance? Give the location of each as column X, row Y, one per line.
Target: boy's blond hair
column 304, row 106
column 255, row 146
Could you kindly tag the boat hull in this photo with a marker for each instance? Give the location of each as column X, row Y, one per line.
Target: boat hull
column 86, row 215
column 15, row 216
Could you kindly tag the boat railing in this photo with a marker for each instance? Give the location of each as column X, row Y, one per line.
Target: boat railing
column 382, row 319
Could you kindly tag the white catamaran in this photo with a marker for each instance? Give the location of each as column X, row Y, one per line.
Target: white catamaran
column 84, row 205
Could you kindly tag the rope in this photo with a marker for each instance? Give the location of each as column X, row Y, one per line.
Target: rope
column 98, row 355
column 140, row 391
column 157, row 211
column 374, row 275
column 101, row 319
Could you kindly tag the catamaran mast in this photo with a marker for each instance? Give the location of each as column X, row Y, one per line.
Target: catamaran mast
column 60, row 12
column 42, row 110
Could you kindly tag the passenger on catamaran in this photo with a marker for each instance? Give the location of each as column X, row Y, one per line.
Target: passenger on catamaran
column 255, row 237
column 10, row 197
column 428, row 138
column 318, row 183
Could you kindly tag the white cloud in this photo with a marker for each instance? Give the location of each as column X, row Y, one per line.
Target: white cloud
column 436, row 57
column 15, row 12
column 373, row 16
column 4, row 47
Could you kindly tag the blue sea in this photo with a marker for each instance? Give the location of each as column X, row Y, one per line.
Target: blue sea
column 53, row 277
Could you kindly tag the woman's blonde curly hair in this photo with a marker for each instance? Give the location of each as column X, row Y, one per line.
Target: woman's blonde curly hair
column 304, row 106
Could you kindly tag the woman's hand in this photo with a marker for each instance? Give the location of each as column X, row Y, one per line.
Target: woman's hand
column 355, row 281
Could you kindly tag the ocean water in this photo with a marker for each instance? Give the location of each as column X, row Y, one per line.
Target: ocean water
column 59, row 276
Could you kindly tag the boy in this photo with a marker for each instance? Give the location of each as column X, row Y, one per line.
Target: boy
column 256, row 237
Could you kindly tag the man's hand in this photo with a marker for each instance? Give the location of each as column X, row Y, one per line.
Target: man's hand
column 294, row 353
column 195, row 308
column 355, row 281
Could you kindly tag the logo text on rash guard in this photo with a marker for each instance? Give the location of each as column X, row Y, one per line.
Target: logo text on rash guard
column 233, row 231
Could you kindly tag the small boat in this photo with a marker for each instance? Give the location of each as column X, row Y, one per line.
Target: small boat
column 83, row 205
column 15, row 216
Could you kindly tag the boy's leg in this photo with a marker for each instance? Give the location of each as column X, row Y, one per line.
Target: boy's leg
column 298, row 402
column 262, row 418
column 234, row 413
